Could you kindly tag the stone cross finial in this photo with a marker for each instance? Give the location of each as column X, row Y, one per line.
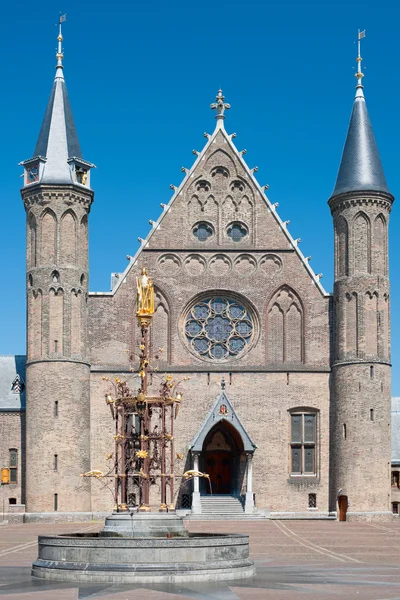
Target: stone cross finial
column 220, row 106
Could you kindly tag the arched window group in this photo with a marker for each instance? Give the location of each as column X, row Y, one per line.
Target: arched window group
column 366, row 319
column 53, row 241
column 285, row 321
column 368, row 251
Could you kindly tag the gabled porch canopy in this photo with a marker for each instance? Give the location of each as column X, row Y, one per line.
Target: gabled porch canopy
column 222, row 410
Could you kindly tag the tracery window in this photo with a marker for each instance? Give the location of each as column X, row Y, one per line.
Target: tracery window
column 303, row 446
column 237, row 231
column 203, row 231
column 219, row 328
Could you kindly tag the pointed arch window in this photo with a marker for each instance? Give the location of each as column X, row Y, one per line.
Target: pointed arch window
column 342, row 245
column 285, row 327
column 361, row 243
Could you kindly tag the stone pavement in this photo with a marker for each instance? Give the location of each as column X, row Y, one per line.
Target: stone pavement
column 296, row 560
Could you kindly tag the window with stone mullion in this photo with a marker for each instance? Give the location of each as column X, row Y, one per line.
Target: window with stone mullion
column 303, row 444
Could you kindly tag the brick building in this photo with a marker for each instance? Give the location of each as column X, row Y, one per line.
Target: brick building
column 301, row 425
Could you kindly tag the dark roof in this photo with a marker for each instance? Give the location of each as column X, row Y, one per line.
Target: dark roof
column 360, row 168
column 12, row 368
column 65, row 114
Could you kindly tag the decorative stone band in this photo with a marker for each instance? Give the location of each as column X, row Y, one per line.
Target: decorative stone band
column 47, row 194
column 339, row 203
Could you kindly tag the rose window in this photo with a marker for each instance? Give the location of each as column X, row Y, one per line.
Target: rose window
column 219, row 328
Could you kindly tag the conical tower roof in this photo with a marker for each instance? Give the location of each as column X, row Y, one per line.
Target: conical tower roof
column 57, row 149
column 360, row 168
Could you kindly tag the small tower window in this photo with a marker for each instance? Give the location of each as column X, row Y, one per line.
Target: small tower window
column 395, row 479
column 344, row 431
column 371, row 414
column 55, row 502
column 81, row 175
column 55, row 276
column 55, row 462
column 56, row 408
column 371, row 372
column 32, row 173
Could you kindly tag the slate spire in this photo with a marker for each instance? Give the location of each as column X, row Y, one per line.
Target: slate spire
column 360, row 168
column 57, row 149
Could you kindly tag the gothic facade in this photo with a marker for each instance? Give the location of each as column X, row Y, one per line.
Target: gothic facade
column 301, row 422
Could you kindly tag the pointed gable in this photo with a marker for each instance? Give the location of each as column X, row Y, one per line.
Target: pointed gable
column 220, row 206
column 222, row 410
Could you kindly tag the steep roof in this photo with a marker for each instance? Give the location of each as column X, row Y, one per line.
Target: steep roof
column 360, row 168
column 219, row 134
column 12, row 383
column 58, row 145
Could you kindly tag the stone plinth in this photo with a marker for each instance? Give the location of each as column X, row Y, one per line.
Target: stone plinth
column 144, row 525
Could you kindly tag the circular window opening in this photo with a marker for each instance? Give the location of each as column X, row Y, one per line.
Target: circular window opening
column 219, row 327
column 237, row 231
column 203, row 231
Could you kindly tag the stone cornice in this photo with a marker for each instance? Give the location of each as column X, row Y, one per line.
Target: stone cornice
column 361, row 361
column 57, row 360
column 44, row 194
column 218, row 369
column 349, row 199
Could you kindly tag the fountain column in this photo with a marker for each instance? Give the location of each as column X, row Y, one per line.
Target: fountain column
column 196, row 503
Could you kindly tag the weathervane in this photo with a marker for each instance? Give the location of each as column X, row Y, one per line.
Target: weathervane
column 359, row 74
column 220, row 106
column 60, row 55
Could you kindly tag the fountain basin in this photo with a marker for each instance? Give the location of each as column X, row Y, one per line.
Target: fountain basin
column 98, row 559
column 144, row 525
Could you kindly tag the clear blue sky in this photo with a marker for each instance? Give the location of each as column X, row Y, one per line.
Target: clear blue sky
column 141, row 77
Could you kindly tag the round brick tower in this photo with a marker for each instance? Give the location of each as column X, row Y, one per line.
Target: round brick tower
column 57, row 199
column 361, row 370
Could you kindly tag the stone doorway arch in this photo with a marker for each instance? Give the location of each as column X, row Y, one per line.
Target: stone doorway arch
column 221, row 459
column 223, row 440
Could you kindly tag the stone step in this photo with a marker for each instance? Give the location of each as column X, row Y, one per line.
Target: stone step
column 224, row 517
column 226, row 506
column 220, row 512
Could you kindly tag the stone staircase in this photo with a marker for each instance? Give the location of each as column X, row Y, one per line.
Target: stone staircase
column 221, row 507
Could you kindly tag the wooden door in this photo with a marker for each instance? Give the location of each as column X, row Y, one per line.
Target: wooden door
column 219, row 468
column 343, row 505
